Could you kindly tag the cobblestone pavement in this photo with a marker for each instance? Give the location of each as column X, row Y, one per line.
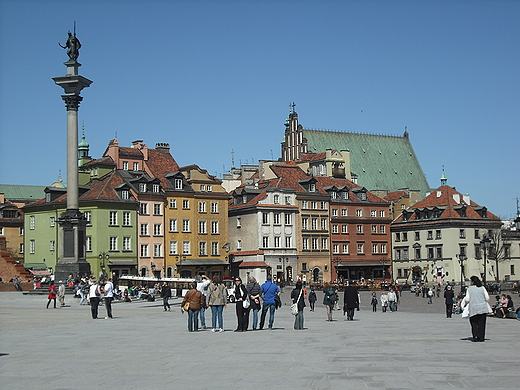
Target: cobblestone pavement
column 144, row 347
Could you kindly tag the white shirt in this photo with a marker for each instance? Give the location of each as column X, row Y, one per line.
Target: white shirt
column 201, row 286
column 92, row 291
column 109, row 290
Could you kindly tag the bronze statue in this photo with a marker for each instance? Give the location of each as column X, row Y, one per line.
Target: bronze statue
column 73, row 45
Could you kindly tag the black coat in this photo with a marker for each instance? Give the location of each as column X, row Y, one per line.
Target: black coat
column 294, row 296
column 351, row 298
column 448, row 296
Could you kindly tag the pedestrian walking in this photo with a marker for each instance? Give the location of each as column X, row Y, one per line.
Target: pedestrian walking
column 217, row 300
column 350, row 302
column 94, row 298
column 430, row 295
column 52, row 291
column 384, row 301
column 298, row 297
column 269, row 291
column 477, row 298
column 329, row 299
column 392, row 300
column 195, row 299
column 312, row 298
column 108, row 296
column 373, row 302
column 448, row 299
column 166, row 293
column 61, row 293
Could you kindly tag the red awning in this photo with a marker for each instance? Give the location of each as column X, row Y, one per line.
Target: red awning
column 39, row 273
column 253, row 264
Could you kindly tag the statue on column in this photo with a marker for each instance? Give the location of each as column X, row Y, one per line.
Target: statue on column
column 73, row 45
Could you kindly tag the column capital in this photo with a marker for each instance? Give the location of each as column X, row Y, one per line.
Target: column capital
column 72, row 102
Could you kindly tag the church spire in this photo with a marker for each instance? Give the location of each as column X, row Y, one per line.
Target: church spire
column 444, row 180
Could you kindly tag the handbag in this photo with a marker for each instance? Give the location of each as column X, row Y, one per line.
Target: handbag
column 246, row 302
column 294, row 306
column 186, row 306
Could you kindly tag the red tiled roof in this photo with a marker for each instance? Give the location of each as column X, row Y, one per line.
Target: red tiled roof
column 313, row 156
column 394, row 196
column 106, row 160
column 161, row 163
column 247, row 253
column 129, row 151
column 253, row 264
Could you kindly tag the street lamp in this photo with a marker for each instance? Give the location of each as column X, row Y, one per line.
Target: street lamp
column 282, row 282
column 102, row 257
column 485, row 244
column 462, row 258
column 383, row 261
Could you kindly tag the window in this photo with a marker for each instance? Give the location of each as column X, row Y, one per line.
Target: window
column 417, row 236
column 362, row 196
column 276, row 218
column 512, row 269
column 305, row 223
column 173, row 247
column 314, row 223
column 312, row 187
column 214, row 249
column 144, row 250
column 186, row 250
column 52, row 245
column 32, row 247
column 334, row 212
column 478, row 253
column 344, row 195
column 381, row 213
column 88, row 216
column 214, row 207
column 374, row 248
column 126, row 244
column 288, row 242
column 344, row 229
column 142, row 186
column 305, row 244
column 374, row 229
column 417, row 253
column 405, row 253
column 315, row 244
column 323, row 224
column 288, row 219
column 113, row 218
column 335, row 248
column 21, row 231
column 125, row 194
column 88, row 244
column 31, row 222
column 157, row 209
column 314, row 205
column 276, row 199
column 209, row 188
column 405, row 236
column 144, row 229
column 477, row 234
column 277, row 242
column 202, row 227
column 143, row 208
column 430, row 253
column 202, row 207
column 335, row 229
column 113, row 243
column 439, row 252
column 157, row 229
column 239, row 245
column 345, row 248
column 383, row 248
column 265, row 218
column 462, row 233
column 304, row 267
column 360, row 249
column 333, row 194
column 185, row 204
column 173, row 224
column 178, row 184
column 397, row 237
column 155, row 188
column 265, row 242
column 359, row 213
column 360, row 229
column 173, row 203
column 430, row 235
column 214, row 227
column 202, row 249
column 382, row 229
column 202, row 187
column 305, row 204
column 239, row 222
column 126, row 218
column 185, row 225
column 157, row 250
column 52, row 221
column 136, row 166
column 125, row 165
column 288, row 200
column 373, row 213
column 344, row 212
column 324, row 243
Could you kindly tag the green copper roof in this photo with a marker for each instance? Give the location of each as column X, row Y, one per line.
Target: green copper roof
column 381, row 162
column 22, row 193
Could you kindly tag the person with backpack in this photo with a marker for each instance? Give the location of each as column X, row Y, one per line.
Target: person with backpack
column 329, row 300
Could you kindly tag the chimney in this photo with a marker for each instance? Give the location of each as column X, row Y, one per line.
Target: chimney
column 162, row 147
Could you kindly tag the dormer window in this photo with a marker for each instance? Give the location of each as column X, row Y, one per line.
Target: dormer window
column 142, row 187
column 136, row 166
column 363, row 196
column 333, row 195
column 125, row 165
column 312, row 187
column 156, row 188
column 125, row 194
column 178, row 184
column 276, row 199
column 344, row 195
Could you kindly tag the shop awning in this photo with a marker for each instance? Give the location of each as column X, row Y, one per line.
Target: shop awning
column 201, row 262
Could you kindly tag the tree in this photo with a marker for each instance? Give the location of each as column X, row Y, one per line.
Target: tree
column 499, row 250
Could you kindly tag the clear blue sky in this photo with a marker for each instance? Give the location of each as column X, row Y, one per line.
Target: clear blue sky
column 210, row 77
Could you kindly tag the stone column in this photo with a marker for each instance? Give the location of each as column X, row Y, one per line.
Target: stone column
column 72, row 222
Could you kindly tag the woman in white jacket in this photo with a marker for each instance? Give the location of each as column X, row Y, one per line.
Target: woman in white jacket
column 477, row 298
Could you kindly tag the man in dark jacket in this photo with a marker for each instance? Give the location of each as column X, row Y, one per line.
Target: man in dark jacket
column 351, row 301
column 166, row 293
column 448, row 297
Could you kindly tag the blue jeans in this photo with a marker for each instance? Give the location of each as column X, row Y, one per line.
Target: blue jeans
column 271, row 307
column 255, row 318
column 203, row 316
column 216, row 314
column 392, row 305
column 193, row 320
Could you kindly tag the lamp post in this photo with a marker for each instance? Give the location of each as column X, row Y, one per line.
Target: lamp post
column 337, row 261
column 282, row 281
column 462, row 258
column 102, row 257
column 383, row 261
column 485, row 245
